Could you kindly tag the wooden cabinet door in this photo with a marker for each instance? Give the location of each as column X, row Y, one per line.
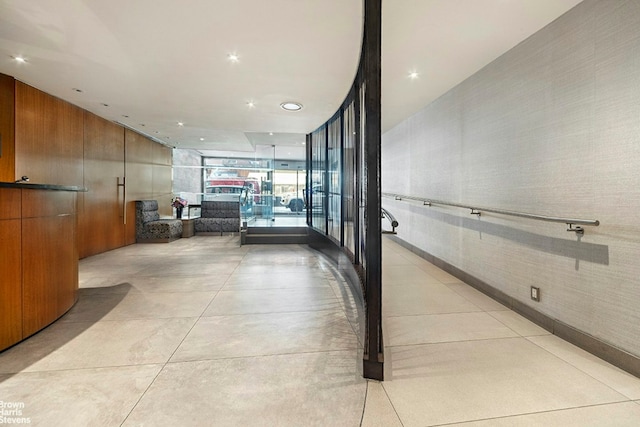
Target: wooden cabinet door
column 49, row 257
column 10, row 268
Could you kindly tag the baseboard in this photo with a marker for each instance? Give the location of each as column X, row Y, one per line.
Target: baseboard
column 617, row 357
column 157, row 240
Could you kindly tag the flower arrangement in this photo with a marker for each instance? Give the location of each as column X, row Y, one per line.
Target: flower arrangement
column 179, row 203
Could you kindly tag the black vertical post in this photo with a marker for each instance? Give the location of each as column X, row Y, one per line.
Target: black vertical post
column 342, row 180
column 373, row 358
column 305, row 192
column 325, row 180
column 356, row 170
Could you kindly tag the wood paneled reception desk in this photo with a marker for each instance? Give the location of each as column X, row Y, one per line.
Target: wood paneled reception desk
column 38, row 257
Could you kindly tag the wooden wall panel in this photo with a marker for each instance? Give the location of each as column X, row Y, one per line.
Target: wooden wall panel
column 49, row 257
column 42, row 203
column 148, row 172
column 161, row 155
column 48, row 138
column 7, row 122
column 139, row 173
column 101, row 211
column 10, row 268
column 10, row 203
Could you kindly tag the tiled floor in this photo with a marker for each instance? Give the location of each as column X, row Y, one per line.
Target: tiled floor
column 202, row 332
column 456, row 357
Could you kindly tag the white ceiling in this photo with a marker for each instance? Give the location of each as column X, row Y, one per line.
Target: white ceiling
column 160, row 62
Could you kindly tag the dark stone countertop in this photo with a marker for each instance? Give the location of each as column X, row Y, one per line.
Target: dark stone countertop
column 33, row 186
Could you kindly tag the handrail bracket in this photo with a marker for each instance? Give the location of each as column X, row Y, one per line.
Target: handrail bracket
column 577, row 230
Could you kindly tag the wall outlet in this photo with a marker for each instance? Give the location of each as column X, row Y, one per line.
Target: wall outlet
column 535, row 293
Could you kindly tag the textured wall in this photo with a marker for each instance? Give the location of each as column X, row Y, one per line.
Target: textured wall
column 551, row 127
column 187, row 174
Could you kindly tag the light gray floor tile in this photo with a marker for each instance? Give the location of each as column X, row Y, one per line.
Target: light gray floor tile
column 434, row 328
column 624, row 414
column 464, row 381
column 272, row 301
column 273, row 259
column 275, row 280
column 406, row 275
column 88, row 345
column 390, row 258
column 107, row 285
column 116, row 267
column 264, row 334
column 257, row 270
column 135, row 305
column 423, row 299
column 78, row 398
column 615, row 378
column 179, row 269
column 312, row 389
column 476, row 297
column 519, row 324
column 439, row 274
column 378, row 410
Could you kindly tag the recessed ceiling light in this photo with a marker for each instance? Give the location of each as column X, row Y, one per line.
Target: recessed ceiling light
column 233, row 57
column 291, row 106
column 180, row 124
column 104, row 104
column 201, row 139
column 413, row 75
column 250, row 104
column 270, row 133
column 77, row 90
column 19, row 59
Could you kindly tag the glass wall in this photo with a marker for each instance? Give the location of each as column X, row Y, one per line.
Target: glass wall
column 344, row 172
column 334, row 176
column 317, row 185
column 349, row 178
column 361, row 172
column 276, row 185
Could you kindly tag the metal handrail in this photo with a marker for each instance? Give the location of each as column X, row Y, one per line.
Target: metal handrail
column 394, row 222
column 572, row 223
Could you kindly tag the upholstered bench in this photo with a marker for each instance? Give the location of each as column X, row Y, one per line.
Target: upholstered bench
column 150, row 228
column 217, row 217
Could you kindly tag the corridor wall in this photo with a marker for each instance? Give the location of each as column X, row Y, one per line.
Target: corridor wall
column 551, row 127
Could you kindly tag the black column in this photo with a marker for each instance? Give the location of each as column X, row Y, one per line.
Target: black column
column 373, row 358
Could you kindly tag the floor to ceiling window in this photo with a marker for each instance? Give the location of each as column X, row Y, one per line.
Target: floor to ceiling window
column 272, row 178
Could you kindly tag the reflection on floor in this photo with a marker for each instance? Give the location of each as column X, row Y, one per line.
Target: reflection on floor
column 202, row 332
